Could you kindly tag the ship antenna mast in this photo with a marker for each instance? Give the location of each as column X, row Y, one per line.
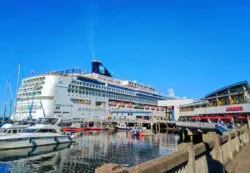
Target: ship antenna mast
column 5, row 101
column 17, row 85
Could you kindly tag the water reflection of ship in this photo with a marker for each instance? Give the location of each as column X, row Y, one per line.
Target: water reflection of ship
column 93, row 150
column 31, row 153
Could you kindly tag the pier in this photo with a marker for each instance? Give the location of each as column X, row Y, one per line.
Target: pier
column 155, row 126
column 214, row 154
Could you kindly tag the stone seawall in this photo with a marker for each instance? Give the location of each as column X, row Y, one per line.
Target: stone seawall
column 208, row 156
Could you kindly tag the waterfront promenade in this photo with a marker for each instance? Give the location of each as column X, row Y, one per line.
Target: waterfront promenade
column 229, row 152
column 241, row 162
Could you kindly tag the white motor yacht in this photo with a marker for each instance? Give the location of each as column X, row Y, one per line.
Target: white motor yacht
column 45, row 132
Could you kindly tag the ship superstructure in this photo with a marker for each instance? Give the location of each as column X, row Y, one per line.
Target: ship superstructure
column 77, row 94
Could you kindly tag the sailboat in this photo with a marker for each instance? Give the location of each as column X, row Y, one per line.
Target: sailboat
column 5, row 104
column 7, row 125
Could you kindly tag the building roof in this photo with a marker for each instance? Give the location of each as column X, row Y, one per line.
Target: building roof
column 196, row 103
column 227, row 87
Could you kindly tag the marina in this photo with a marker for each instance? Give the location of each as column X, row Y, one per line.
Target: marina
column 89, row 122
column 91, row 151
column 124, row 87
column 92, row 120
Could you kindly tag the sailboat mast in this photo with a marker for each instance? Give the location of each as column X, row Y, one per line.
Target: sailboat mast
column 5, row 101
column 18, row 77
column 17, row 85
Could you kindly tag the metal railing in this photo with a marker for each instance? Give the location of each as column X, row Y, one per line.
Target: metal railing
column 201, row 125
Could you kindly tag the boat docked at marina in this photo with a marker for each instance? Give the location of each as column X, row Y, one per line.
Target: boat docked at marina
column 45, row 132
column 82, row 126
column 76, row 94
column 122, row 127
column 110, row 128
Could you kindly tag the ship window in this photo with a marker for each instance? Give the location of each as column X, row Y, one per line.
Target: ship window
column 57, row 107
column 29, row 130
column 52, row 131
column 43, row 131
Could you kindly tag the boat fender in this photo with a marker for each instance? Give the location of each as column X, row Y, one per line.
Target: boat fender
column 30, row 140
column 29, row 154
column 56, row 140
column 34, row 144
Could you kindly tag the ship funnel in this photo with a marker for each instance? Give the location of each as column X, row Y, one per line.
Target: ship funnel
column 98, row 68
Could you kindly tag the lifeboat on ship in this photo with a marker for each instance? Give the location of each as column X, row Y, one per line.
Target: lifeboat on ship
column 112, row 103
column 129, row 105
column 146, row 107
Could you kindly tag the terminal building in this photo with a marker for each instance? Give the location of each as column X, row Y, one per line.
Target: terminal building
column 229, row 102
column 173, row 107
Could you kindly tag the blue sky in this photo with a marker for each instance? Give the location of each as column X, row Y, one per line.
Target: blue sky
column 192, row 46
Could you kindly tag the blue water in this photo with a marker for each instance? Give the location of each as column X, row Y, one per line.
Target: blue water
column 91, row 151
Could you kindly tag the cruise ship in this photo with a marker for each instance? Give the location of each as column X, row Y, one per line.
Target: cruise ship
column 73, row 93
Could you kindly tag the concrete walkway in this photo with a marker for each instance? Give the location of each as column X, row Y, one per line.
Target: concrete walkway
column 241, row 162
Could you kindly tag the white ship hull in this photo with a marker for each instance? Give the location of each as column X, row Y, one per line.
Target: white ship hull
column 31, row 152
column 26, row 141
column 85, row 95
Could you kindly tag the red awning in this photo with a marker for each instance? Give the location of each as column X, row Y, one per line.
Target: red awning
column 241, row 117
column 228, row 117
column 217, row 117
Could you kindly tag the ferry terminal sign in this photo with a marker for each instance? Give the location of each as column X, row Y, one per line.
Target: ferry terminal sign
column 234, row 108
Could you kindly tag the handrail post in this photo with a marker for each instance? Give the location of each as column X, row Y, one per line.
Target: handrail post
column 191, row 159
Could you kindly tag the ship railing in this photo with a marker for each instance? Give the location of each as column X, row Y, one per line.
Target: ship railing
column 202, row 125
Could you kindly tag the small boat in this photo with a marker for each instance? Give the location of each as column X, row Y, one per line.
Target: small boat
column 94, row 128
column 122, row 127
column 73, row 129
column 135, row 131
column 110, row 128
column 80, row 127
column 46, row 132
